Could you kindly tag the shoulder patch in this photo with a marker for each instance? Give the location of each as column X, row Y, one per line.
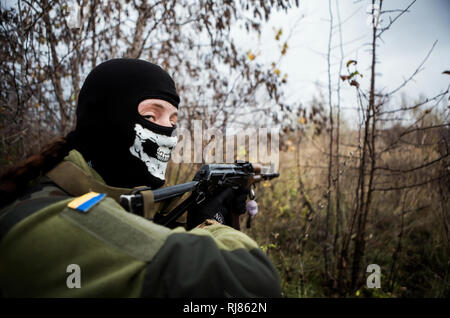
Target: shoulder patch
column 86, row 201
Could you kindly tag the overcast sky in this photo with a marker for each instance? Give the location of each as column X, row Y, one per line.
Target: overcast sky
column 405, row 46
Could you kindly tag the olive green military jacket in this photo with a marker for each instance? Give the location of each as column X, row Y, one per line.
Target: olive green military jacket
column 48, row 249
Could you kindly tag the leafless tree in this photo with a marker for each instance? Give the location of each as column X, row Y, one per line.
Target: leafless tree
column 49, row 46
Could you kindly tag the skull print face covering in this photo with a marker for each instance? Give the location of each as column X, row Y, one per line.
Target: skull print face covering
column 117, row 142
column 153, row 149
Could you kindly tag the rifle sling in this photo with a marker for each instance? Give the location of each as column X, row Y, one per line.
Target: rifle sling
column 76, row 182
column 148, row 204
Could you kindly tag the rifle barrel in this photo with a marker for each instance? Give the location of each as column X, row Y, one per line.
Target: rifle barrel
column 270, row 175
column 173, row 191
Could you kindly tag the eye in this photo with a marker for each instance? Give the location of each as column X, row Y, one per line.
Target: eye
column 151, row 117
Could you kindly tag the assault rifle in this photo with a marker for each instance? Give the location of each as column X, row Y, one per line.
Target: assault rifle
column 210, row 180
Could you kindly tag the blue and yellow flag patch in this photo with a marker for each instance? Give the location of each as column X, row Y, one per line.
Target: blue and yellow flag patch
column 86, row 201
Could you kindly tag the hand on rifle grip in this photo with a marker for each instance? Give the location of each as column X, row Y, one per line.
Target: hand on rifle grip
column 212, row 208
column 239, row 198
column 225, row 208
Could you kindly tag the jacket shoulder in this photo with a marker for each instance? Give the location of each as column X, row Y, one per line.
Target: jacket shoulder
column 34, row 199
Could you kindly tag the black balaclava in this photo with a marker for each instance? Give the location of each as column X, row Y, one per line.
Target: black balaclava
column 123, row 147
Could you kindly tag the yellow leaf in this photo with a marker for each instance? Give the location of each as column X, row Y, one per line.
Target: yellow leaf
column 277, row 71
column 250, row 55
column 241, row 151
column 350, row 62
column 279, row 33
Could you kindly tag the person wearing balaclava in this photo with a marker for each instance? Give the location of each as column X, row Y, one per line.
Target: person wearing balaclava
column 126, row 115
column 63, row 233
column 125, row 148
column 126, row 118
